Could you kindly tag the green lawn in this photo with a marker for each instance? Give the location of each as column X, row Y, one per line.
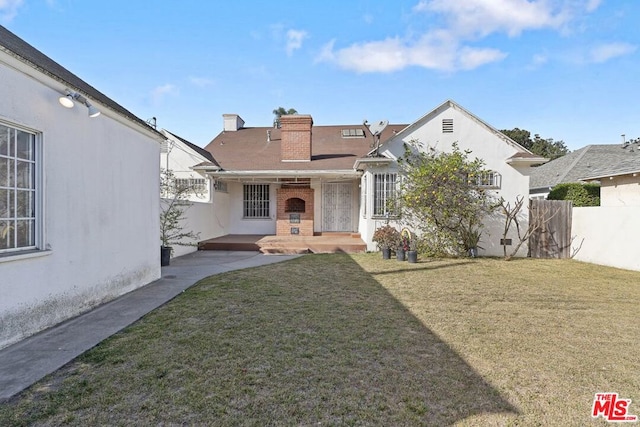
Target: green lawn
column 355, row 340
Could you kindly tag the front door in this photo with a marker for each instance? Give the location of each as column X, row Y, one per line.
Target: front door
column 337, row 206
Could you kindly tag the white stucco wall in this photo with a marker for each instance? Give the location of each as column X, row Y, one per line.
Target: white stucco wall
column 179, row 158
column 240, row 225
column 620, row 191
column 471, row 135
column 101, row 207
column 198, row 218
column 607, row 235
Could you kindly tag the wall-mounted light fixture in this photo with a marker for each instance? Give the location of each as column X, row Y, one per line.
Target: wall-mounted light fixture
column 67, row 102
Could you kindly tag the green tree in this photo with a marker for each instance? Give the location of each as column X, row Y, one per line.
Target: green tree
column 441, row 197
column 175, row 203
column 548, row 148
column 580, row 194
column 281, row 111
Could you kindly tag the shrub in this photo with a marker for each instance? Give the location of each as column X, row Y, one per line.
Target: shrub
column 386, row 237
column 579, row 194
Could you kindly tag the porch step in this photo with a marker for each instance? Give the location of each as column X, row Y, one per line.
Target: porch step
column 232, row 242
column 326, row 243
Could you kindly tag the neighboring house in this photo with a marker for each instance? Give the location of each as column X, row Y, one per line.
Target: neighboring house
column 301, row 179
column 179, row 155
column 620, row 184
column 575, row 166
column 79, row 195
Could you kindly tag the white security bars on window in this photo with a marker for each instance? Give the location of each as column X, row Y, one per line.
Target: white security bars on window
column 256, row 201
column 384, row 189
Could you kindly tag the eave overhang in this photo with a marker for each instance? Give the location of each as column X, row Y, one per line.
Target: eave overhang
column 279, row 175
column 362, row 163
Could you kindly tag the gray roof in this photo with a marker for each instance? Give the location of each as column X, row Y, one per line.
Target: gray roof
column 24, row 52
column 589, row 161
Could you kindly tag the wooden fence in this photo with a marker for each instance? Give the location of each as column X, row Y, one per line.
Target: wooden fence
column 552, row 237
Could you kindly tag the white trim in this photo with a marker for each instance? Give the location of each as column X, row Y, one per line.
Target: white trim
column 13, row 256
column 57, row 84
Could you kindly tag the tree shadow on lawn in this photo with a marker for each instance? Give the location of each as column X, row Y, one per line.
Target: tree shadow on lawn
column 312, row 340
column 342, row 349
column 420, row 266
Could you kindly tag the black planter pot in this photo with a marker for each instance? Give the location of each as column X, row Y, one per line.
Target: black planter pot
column 386, row 253
column 412, row 256
column 165, row 255
column 473, row 252
column 400, row 254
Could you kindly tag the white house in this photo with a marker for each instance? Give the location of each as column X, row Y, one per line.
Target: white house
column 179, row 155
column 299, row 179
column 508, row 164
column 79, row 194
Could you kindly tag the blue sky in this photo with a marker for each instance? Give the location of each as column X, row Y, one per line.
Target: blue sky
column 565, row 69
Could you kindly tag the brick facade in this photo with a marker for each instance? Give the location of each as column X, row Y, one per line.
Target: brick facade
column 284, row 225
column 296, row 138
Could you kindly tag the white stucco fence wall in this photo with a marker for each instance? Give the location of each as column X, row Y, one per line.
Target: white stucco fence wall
column 100, row 197
column 608, row 235
column 198, row 218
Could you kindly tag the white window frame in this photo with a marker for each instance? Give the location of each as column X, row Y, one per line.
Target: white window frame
column 385, row 189
column 489, row 179
column 12, row 190
column 198, row 185
column 220, row 186
column 256, row 201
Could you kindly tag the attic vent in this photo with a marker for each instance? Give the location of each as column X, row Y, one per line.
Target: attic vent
column 447, row 125
column 352, row 133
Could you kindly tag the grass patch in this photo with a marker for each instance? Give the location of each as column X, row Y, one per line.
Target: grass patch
column 354, row 340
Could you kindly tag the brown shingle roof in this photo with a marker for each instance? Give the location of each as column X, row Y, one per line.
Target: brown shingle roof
column 247, row 149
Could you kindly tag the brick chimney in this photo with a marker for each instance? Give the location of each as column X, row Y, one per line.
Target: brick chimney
column 296, row 138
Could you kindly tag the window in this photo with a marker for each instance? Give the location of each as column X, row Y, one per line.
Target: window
column 198, row 185
column 364, row 196
column 256, row 201
column 19, row 226
column 489, row 179
column 384, row 193
column 352, row 133
column 220, row 186
column 447, row 125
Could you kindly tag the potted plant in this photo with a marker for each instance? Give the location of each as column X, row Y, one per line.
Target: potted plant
column 411, row 245
column 403, row 245
column 173, row 206
column 386, row 237
column 470, row 239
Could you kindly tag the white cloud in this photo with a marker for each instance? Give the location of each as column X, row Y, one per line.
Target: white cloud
column 294, row 40
column 484, row 17
column 592, row 5
column 469, row 58
column 436, row 50
column 9, row 9
column 160, row 92
column 539, row 59
column 200, row 81
column 460, row 24
column 605, row 52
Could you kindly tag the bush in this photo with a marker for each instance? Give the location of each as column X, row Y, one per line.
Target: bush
column 386, row 237
column 580, row 194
